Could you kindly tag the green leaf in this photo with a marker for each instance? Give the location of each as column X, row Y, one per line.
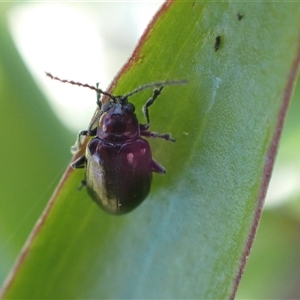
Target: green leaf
column 190, row 238
column 276, row 249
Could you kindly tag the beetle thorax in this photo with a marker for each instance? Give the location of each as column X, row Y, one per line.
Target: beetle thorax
column 116, row 125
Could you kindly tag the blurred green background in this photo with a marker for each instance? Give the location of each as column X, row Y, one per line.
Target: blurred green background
column 35, row 145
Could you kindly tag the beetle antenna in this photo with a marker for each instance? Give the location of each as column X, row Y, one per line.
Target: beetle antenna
column 80, row 84
column 154, row 84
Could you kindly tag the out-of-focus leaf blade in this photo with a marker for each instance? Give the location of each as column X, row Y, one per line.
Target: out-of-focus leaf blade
column 34, row 149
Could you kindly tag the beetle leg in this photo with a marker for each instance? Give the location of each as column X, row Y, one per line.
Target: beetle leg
column 165, row 136
column 149, row 102
column 92, row 132
column 82, row 185
column 156, row 167
column 79, row 163
column 77, row 145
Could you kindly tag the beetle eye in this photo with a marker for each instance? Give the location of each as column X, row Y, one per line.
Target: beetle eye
column 129, row 107
column 106, row 106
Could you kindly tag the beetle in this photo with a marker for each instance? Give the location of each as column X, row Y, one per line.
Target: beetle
column 118, row 161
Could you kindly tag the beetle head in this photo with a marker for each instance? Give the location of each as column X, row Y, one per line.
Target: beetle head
column 118, row 106
column 118, row 122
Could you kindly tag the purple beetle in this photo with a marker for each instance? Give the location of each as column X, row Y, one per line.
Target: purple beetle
column 118, row 161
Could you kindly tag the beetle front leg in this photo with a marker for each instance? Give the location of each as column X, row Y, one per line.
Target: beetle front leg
column 149, row 102
column 81, row 133
column 156, row 167
column 165, row 136
column 77, row 145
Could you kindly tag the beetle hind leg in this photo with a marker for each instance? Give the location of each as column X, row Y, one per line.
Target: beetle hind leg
column 156, row 167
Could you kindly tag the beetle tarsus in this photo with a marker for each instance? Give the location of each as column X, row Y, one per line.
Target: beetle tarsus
column 165, row 136
column 82, row 185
